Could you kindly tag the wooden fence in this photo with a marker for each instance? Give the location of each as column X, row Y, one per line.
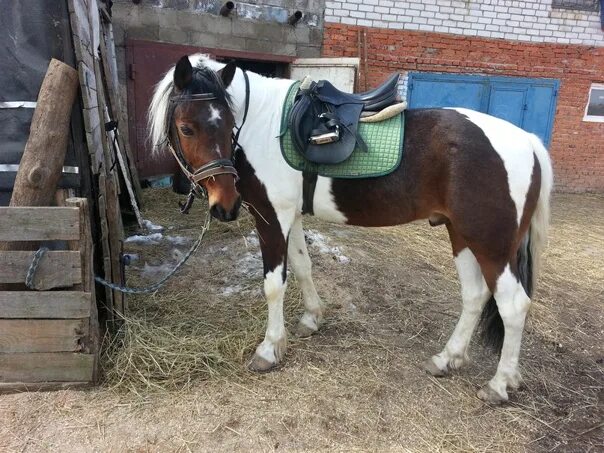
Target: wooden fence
column 49, row 337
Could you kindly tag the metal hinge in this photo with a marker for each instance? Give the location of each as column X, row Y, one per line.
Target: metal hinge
column 131, row 71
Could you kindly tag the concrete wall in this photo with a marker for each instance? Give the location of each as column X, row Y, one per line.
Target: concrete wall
column 551, row 21
column 254, row 26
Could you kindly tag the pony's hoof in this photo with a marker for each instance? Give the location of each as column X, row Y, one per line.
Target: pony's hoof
column 432, row 369
column 303, row 331
column 260, row 364
column 310, row 322
column 488, row 395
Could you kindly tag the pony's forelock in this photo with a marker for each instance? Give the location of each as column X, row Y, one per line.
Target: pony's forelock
column 157, row 115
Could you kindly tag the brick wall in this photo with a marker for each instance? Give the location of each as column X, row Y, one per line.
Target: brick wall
column 563, row 22
column 577, row 147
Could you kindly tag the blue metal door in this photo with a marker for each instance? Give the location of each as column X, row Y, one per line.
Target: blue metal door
column 508, row 102
column 527, row 103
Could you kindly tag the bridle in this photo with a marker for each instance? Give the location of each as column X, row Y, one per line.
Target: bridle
column 214, row 167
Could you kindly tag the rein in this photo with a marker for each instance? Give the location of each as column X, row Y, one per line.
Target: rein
column 214, row 167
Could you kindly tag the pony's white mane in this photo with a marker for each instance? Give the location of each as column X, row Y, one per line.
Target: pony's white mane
column 157, row 115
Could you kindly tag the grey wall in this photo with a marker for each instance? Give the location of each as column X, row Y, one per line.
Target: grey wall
column 255, row 26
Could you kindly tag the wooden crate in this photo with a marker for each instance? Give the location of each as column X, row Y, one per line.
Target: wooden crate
column 49, row 337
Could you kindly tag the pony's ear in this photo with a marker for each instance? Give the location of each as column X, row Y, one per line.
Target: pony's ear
column 227, row 73
column 183, row 73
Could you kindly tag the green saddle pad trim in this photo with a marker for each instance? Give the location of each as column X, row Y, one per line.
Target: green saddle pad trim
column 384, row 143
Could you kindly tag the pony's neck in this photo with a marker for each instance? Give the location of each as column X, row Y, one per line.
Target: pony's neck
column 266, row 98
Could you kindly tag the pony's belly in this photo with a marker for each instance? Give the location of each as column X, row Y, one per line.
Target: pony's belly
column 324, row 203
column 363, row 202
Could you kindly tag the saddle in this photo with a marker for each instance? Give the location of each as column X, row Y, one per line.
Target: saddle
column 324, row 120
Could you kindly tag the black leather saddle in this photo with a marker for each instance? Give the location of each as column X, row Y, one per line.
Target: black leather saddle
column 324, row 120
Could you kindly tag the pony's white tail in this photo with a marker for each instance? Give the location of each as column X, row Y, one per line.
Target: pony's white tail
column 540, row 221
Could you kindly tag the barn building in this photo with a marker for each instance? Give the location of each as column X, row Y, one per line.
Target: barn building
column 536, row 63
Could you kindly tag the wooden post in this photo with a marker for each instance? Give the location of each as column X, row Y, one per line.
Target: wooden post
column 86, row 248
column 44, row 154
column 42, row 161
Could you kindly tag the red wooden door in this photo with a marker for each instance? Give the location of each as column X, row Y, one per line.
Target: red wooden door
column 147, row 62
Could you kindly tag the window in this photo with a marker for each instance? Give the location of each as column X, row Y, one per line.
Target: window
column 595, row 104
column 580, row 5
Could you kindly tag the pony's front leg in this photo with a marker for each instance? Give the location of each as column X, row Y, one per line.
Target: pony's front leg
column 273, row 236
column 300, row 261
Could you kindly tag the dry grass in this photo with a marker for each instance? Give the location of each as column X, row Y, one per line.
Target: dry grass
column 176, row 377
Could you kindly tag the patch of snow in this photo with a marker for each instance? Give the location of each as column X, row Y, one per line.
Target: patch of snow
column 153, row 271
column 343, row 259
column 251, row 240
column 177, row 240
column 250, row 265
column 227, row 291
column 320, row 242
column 152, row 227
column 154, row 238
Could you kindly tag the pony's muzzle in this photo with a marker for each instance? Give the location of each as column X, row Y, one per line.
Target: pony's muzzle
column 226, row 215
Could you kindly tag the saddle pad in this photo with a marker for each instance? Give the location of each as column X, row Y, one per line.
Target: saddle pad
column 384, row 141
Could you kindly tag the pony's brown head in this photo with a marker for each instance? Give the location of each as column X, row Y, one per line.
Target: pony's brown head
column 200, row 127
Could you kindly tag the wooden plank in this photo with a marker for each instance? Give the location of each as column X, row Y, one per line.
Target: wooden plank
column 115, row 229
column 105, row 243
column 39, row 224
column 92, row 122
column 116, row 236
column 84, row 48
column 19, row 387
column 57, row 269
column 42, row 335
column 109, row 59
column 86, row 248
column 46, row 367
column 45, row 304
column 125, row 173
column 79, row 22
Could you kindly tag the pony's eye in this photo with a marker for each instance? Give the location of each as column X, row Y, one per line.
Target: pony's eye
column 186, row 130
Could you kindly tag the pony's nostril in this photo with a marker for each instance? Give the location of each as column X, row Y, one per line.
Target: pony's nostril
column 217, row 212
column 223, row 215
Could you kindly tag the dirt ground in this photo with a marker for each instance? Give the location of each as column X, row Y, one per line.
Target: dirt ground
column 176, row 377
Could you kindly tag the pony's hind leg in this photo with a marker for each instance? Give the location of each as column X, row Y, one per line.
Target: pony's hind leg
column 301, row 265
column 513, row 304
column 474, row 294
